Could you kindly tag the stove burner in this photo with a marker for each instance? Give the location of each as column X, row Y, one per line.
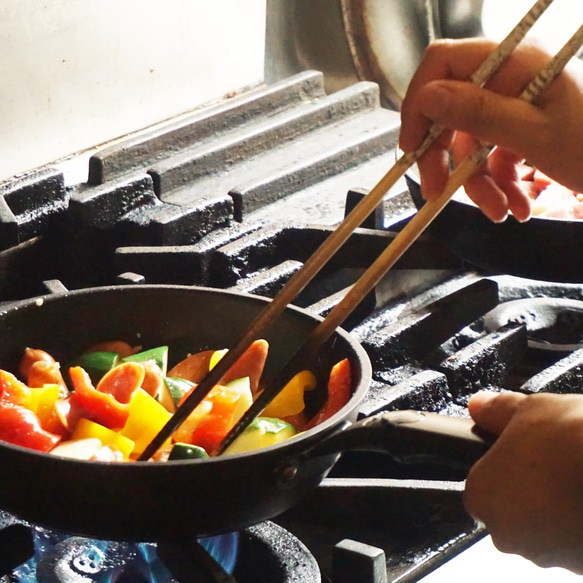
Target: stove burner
column 554, row 324
column 264, row 552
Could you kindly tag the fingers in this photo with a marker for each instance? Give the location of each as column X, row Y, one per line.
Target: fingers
column 497, row 187
column 493, row 411
column 527, row 487
column 504, row 166
column 439, row 62
column 490, row 117
column 434, row 172
column 444, row 70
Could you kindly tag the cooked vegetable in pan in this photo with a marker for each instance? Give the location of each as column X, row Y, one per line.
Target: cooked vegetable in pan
column 114, row 398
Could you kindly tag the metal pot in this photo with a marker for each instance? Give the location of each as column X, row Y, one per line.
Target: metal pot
column 355, row 40
column 164, row 501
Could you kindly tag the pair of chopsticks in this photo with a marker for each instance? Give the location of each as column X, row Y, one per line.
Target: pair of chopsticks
column 341, row 234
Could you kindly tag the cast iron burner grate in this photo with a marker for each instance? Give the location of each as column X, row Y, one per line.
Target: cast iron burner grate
column 264, row 552
column 237, row 196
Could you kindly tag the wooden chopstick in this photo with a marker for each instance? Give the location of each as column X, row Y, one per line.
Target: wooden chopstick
column 334, row 241
column 419, row 222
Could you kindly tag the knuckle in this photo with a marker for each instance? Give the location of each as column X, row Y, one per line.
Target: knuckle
column 438, row 46
column 438, row 54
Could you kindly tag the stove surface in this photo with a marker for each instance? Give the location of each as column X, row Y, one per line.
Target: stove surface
column 237, row 197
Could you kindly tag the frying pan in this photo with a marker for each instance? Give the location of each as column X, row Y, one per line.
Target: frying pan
column 151, row 501
column 542, row 248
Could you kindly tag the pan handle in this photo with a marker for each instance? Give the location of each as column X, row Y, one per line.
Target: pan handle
column 412, row 437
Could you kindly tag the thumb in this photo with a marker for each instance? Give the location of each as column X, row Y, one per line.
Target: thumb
column 490, row 117
column 493, row 411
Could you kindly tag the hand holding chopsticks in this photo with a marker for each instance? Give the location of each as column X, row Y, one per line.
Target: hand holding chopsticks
column 398, row 246
column 331, row 245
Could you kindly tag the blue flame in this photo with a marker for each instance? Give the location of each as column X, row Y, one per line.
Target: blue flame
column 223, row 549
column 99, row 561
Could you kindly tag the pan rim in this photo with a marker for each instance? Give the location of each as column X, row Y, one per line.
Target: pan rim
column 325, row 427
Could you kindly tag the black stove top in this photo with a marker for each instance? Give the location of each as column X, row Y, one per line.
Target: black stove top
column 238, row 196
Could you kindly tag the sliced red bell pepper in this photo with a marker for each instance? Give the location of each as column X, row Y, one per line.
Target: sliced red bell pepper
column 103, row 407
column 249, row 364
column 121, row 381
column 66, row 415
column 212, row 419
column 193, row 368
column 20, row 426
column 30, row 357
column 12, row 390
column 46, row 373
column 339, row 391
column 153, row 382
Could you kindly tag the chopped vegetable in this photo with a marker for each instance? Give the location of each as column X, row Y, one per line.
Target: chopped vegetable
column 20, row 426
column 13, row 391
column 87, row 429
column 250, row 364
column 262, row 432
column 178, row 387
column 102, row 407
column 212, row 427
column 145, row 419
column 79, row 449
column 243, row 388
column 119, row 398
column 216, row 357
column 159, row 355
column 97, row 363
column 186, row 451
column 339, row 387
column 42, row 402
column 290, row 401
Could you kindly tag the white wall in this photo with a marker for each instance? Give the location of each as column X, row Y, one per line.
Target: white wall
column 553, row 30
column 76, row 73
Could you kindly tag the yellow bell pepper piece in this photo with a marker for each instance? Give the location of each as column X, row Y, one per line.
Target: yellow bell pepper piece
column 87, row 429
column 290, row 400
column 42, row 401
column 146, row 418
column 216, row 357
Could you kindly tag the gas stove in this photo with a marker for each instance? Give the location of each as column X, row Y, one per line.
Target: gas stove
column 237, row 196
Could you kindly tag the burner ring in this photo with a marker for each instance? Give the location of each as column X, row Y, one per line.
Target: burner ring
column 552, row 324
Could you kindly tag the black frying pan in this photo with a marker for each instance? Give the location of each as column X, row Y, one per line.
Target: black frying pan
column 542, row 248
column 160, row 501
